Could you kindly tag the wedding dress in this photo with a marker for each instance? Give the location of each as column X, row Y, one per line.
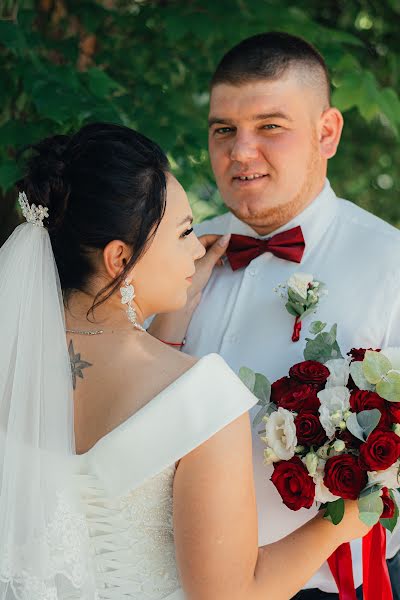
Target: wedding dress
column 126, row 480
column 96, row 526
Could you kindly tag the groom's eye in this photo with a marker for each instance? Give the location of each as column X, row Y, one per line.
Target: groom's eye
column 271, row 126
column 223, row 130
column 187, row 232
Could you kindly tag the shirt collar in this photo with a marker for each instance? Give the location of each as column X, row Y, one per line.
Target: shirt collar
column 314, row 220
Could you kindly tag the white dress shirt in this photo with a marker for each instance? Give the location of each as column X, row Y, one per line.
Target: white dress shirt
column 357, row 256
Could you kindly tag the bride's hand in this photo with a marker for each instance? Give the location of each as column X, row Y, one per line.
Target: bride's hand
column 215, row 246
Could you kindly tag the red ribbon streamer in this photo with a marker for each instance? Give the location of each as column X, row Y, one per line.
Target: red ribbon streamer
column 341, row 566
column 296, row 330
column 376, row 580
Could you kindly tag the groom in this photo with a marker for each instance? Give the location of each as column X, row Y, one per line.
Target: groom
column 272, row 131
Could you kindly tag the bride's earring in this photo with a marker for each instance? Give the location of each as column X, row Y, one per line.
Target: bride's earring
column 127, row 295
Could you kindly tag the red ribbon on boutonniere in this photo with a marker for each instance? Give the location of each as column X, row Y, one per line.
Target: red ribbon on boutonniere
column 302, row 294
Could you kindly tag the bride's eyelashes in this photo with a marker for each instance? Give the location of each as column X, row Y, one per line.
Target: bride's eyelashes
column 77, row 364
column 187, row 232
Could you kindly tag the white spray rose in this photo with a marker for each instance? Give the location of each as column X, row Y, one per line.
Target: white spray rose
column 270, row 456
column 311, row 462
column 322, row 494
column 280, row 434
column 299, row 283
column 387, row 478
column 339, row 369
column 335, row 402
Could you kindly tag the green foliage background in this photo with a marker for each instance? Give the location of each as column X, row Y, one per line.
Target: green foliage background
column 147, row 65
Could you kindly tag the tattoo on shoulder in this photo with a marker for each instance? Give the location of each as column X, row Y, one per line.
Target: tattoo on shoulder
column 77, row 365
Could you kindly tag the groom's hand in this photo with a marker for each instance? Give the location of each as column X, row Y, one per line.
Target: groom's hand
column 215, row 246
column 172, row 326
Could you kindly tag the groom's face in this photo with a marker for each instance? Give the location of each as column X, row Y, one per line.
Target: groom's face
column 264, row 148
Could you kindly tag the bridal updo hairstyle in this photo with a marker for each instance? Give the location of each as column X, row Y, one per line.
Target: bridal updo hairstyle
column 105, row 182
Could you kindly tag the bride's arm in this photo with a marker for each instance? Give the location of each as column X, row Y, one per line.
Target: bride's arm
column 215, row 524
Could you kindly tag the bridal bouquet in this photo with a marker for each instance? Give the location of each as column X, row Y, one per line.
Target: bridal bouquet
column 331, row 429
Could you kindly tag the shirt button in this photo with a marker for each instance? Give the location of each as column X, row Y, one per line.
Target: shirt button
column 252, row 271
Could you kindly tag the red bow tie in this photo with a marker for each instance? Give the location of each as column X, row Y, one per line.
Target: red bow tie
column 242, row 249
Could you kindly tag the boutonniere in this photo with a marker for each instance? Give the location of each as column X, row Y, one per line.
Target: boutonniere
column 302, row 294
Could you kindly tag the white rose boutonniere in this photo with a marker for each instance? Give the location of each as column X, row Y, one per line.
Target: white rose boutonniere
column 302, row 294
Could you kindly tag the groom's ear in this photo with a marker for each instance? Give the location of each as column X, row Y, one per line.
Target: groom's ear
column 329, row 131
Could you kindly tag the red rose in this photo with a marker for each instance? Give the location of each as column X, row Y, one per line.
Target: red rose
column 300, row 396
column 344, row 477
column 294, row 484
column 310, row 371
column 364, row 400
column 358, row 354
column 309, row 430
column 388, row 505
column 278, row 388
column 380, row 451
column 394, row 411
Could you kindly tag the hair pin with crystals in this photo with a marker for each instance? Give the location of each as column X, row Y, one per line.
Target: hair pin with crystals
column 32, row 213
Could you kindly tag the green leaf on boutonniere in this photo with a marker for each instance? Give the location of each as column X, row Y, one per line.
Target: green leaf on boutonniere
column 334, row 511
column 295, row 297
column 316, row 327
column 375, row 366
column 290, row 307
column 389, row 387
column 390, row 524
column 248, row 377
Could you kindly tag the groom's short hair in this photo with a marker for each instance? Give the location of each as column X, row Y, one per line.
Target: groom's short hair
column 268, row 56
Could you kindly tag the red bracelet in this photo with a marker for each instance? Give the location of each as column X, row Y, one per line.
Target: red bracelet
column 182, row 343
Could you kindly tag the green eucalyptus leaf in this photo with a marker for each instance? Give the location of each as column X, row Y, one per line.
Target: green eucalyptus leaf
column 262, row 389
column 316, row 327
column 375, row 365
column 370, row 508
column 264, row 411
column 248, row 377
column 331, row 336
column 357, row 373
column 389, row 387
column 363, row 423
column 371, row 488
column 334, row 511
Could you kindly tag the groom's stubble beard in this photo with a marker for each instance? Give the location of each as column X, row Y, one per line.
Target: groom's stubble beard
column 269, row 218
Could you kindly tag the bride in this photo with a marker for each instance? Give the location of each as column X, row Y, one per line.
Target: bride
column 132, row 478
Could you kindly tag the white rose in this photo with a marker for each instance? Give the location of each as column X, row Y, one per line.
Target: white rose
column 335, row 401
column 299, row 283
column 280, row 434
column 393, row 354
column 322, row 494
column 339, row 369
column 387, row 478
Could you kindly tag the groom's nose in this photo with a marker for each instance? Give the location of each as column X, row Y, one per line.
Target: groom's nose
column 244, row 148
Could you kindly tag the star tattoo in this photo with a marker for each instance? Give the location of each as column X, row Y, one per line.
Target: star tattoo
column 76, row 364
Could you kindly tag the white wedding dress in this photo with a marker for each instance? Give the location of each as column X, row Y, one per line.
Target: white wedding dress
column 126, row 480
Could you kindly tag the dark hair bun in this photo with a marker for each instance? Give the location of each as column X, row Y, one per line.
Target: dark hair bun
column 46, row 180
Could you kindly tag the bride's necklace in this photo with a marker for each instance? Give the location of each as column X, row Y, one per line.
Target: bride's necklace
column 100, row 331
